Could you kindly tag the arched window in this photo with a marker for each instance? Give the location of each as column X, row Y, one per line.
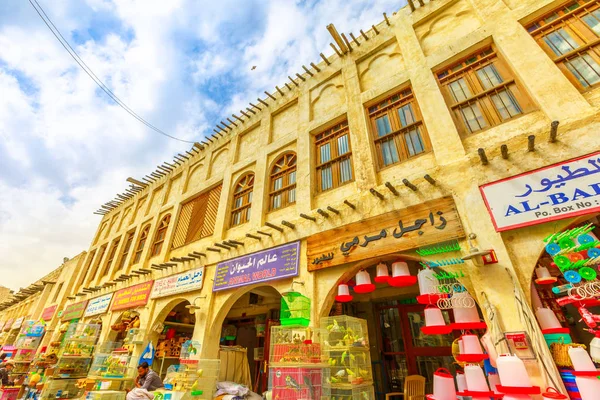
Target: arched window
column 160, row 235
column 140, row 246
column 242, row 200
column 283, row 182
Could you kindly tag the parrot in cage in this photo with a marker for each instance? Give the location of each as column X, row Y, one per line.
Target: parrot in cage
column 291, row 382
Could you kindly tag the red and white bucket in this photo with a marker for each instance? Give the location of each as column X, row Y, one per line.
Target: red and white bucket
column 443, row 385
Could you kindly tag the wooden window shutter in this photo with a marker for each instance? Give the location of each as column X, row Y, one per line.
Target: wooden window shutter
column 197, row 218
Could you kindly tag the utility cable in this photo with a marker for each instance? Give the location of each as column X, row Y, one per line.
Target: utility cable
column 38, row 8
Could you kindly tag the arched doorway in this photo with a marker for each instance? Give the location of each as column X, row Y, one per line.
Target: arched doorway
column 244, row 335
column 394, row 319
column 565, row 291
column 172, row 327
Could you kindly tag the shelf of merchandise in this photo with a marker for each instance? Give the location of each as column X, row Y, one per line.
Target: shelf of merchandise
column 74, row 359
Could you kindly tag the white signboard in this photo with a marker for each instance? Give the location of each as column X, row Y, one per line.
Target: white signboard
column 185, row 282
column 563, row 190
column 17, row 324
column 99, row 305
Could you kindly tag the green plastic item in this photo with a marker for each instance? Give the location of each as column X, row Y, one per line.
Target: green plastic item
column 295, row 309
column 439, row 248
column 197, row 392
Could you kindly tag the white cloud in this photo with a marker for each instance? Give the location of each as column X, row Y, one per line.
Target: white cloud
column 181, row 64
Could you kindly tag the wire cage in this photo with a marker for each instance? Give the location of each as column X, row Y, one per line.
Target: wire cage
column 351, row 366
column 111, row 360
column 205, row 383
column 295, row 345
column 61, row 389
column 363, row 392
column 106, row 395
column 343, row 332
column 293, row 383
column 295, row 309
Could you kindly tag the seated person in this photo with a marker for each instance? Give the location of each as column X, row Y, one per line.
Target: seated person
column 147, row 378
column 5, row 379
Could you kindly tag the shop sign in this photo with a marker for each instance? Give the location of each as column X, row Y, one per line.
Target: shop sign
column 48, row 312
column 98, row 305
column 73, row 311
column 558, row 191
column 267, row 265
column 8, row 324
column 133, row 296
column 399, row 230
column 180, row 283
column 18, row 322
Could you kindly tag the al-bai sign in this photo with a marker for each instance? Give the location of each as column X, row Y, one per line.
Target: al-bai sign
column 133, row 296
column 558, row 191
column 427, row 223
column 266, row 265
column 180, row 283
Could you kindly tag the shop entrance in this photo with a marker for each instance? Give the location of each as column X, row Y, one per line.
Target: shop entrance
column 405, row 349
column 245, row 337
column 175, row 327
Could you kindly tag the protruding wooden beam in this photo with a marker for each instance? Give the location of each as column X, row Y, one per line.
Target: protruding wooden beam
column 482, row 156
column 308, row 217
column 347, row 42
column 245, row 114
column 213, row 249
column 352, row 206
column 354, row 39
column 387, row 21
column 333, row 210
column 136, row 182
column 252, row 236
column 323, row 213
column 261, row 101
column 238, row 118
column 337, row 38
column 233, row 123
column 170, row 264
column 279, row 90
column 421, row 3
column 187, row 258
column 273, row 226
column 250, row 110
column 255, row 106
column 375, row 29
column 504, row 151
column 236, row 242
column 288, row 224
column 324, row 58
column 270, row 95
column 376, row 193
column 194, row 256
column 223, row 246
column 429, row 179
column 288, row 86
column 264, row 233
column 409, row 185
column 364, row 35
column 198, row 146
column 315, row 67
column 307, row 70
column 303, row 79
column 156, row 267
column 336, row 50
column 392, row 189
column 553, row 131
column 531, row 143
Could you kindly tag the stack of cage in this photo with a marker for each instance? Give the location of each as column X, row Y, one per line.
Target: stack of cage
column 26, row 346
column 74, row 359
column 296, row 367
column 347, row 353
column 112, row 370
column 207, row 375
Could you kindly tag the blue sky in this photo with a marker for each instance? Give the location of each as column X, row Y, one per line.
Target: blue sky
column 66, row 148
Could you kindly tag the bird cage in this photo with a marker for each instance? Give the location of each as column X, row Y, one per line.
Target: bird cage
column 294, row 383
column 363, row 392
column 295, row 346
column 295, row 309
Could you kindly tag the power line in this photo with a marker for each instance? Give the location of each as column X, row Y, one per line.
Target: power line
column 38, row 8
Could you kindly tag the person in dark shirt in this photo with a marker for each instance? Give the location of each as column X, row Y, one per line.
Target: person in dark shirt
column 147, row 378
column 5, row 373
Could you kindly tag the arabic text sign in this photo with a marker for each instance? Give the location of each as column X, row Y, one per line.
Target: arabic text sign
column 267, row 265
column 424, row 224
column 98, row 305
column 48, row 312
column 180, row 283
column 74, row 310
column 558, row 191
column 133, row 296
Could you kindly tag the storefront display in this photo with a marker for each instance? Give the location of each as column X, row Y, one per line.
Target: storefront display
column 175, row 330
column 113, row 370
column 73, row 362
